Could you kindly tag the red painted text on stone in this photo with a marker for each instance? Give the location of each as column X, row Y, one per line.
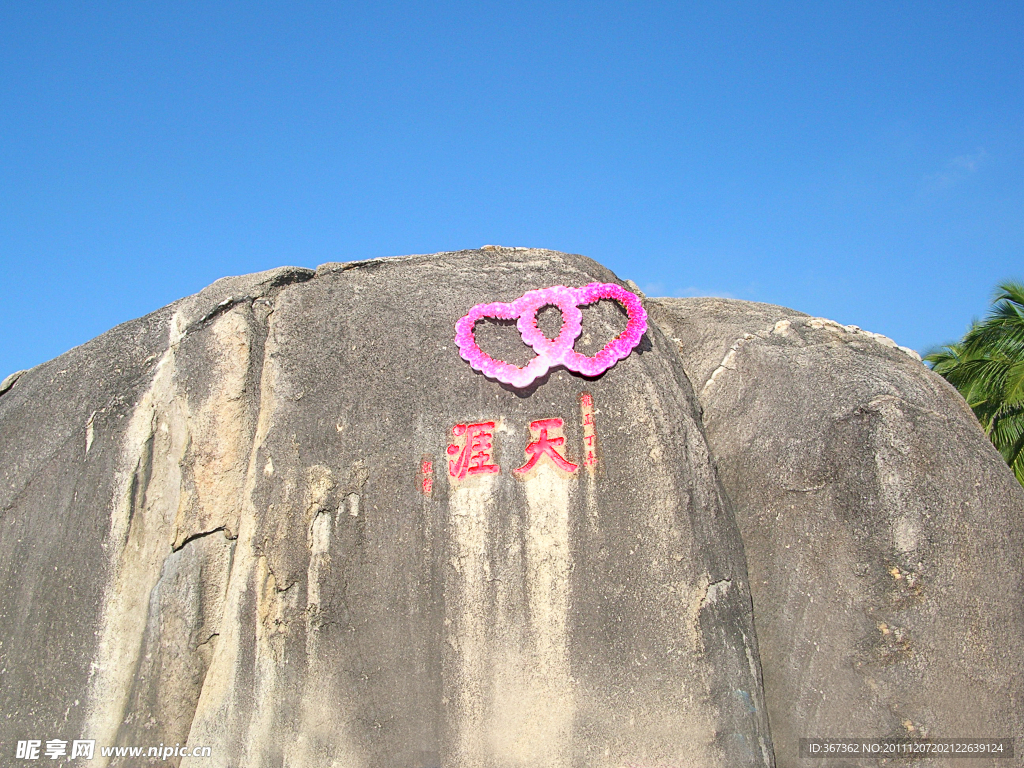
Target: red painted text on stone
column 589, row 430
column 474, row 453
column 427, row 473
column 546, row 446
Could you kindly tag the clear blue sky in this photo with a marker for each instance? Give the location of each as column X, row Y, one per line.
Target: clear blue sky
column 859, row 161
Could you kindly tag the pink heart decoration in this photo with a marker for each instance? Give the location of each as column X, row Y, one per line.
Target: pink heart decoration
column 551, row 352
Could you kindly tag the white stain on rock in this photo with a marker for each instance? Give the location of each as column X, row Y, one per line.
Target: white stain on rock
column 715, row 591
column 141, row 525
column 538, row 732
column 471, row 504
column 226, row 718
column 89, row 432
column 512, row 693
column 220, row 427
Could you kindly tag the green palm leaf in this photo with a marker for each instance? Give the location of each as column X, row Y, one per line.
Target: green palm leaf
column 987, row 367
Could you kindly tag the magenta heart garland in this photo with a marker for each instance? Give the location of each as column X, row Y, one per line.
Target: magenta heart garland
column 551, row 352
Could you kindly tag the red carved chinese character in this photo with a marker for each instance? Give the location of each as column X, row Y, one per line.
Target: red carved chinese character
column 546, row 445
column 475, row 452
column 426, row 475
column 589, row 430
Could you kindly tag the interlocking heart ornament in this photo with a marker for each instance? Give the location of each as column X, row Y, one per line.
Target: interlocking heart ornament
column 551, row 352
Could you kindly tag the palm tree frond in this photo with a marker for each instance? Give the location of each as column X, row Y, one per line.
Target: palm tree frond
column 987, row 367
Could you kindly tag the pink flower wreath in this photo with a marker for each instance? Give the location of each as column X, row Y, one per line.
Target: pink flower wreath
column 551, row 353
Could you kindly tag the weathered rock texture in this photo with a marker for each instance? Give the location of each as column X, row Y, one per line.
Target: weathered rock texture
column 214, row 531
column 883, row 532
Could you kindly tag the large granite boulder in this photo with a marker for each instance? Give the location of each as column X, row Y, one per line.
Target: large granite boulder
column 883, row 532
column 283, row 519
column 233, row 524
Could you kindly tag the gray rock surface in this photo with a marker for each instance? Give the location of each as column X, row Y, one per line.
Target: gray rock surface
column 883, row 533
column 214, row 531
